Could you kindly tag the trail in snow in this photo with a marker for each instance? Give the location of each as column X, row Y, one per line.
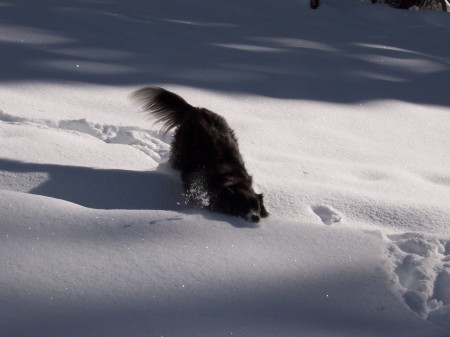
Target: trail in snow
column 146, row 141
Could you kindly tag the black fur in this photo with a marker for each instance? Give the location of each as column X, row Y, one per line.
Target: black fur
column 314, row 4
column 205, row 150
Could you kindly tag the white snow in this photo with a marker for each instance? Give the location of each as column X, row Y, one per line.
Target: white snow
column 342, row 115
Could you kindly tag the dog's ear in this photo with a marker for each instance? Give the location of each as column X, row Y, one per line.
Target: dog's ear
column 263, row 212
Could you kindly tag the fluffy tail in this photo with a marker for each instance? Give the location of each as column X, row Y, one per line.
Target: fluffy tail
column 167, row 107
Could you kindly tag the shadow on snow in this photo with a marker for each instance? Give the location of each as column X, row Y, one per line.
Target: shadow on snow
column 283, row 50
column 100, row 188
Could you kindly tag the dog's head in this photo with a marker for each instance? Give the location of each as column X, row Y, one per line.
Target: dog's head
column 241, row 202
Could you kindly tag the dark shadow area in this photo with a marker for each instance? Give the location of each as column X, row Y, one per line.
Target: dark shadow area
column 259, row 48
column 114, row 189
column 281, row 308
column 103, row 189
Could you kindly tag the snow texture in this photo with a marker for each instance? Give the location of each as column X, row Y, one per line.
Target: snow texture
column 342, row 117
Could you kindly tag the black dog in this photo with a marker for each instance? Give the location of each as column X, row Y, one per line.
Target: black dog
column 206, row 151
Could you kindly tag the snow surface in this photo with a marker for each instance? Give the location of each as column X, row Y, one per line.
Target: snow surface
column 342, row 116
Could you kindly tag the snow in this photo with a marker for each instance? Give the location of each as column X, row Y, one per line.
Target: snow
column 342, row 116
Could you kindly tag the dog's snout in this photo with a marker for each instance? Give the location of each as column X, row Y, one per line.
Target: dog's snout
column 252, row 217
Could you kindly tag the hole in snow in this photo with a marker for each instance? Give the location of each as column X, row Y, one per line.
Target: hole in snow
column 327, row 214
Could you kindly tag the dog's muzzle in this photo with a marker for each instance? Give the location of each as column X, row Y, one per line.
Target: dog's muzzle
column 253, row 216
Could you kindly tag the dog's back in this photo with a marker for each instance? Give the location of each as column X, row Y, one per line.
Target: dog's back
column 203, row 139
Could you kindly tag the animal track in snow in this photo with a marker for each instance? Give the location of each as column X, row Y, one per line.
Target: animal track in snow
column 421, row 266
column 143, row 140
column 443, row 180
column 373, row 175
column 327, row 214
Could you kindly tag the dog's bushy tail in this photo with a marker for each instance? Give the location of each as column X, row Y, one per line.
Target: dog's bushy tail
column 169, row 108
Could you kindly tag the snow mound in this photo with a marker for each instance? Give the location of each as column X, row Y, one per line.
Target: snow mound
column 421, row 267
column 99, row 166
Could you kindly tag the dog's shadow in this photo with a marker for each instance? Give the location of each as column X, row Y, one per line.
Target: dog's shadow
column 99, row 188
column 109, row 189
column 232, row 220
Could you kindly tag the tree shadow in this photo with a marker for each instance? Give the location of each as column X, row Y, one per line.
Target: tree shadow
column 282, row 307
column 272, row 50
column 102, row 189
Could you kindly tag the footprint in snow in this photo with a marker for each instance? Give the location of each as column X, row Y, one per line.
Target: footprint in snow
column 327, row 214
column 422, row 269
